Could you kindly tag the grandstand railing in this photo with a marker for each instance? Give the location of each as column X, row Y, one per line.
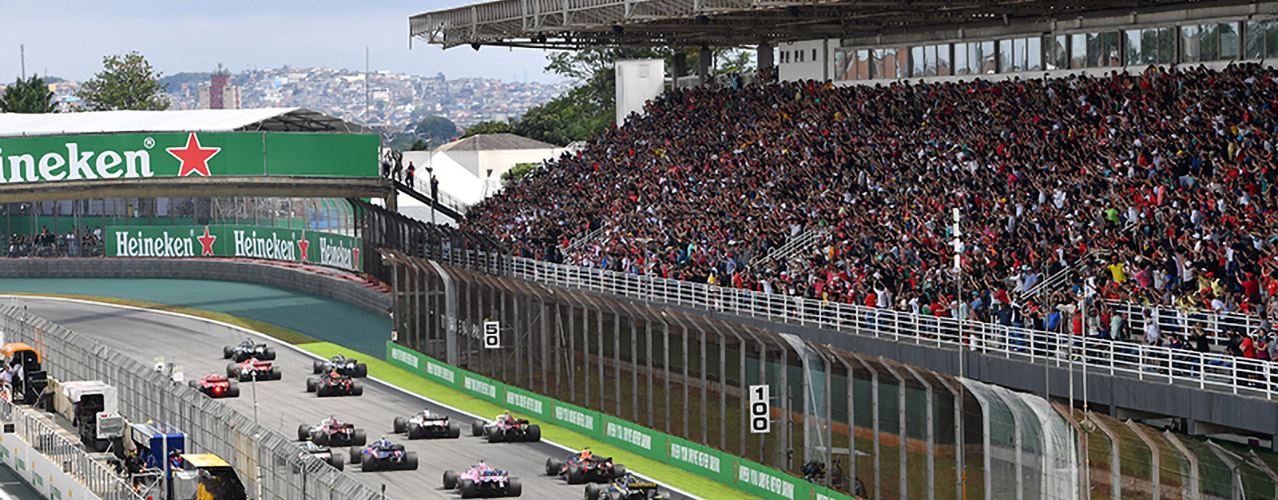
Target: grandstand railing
column 67, row 455
column 792, row 246
column 1211, row 370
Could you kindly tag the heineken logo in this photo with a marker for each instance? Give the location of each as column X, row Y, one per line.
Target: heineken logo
column 73, row 161
column 294, row 245
column 249, row 244
column 131, row 244
column 338, row 253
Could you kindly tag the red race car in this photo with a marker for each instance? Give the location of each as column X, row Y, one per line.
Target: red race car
column 333, row 384
column 253, row 368
column 583, row 467
column 216, row 386
column 331, row 432
column 505, row 428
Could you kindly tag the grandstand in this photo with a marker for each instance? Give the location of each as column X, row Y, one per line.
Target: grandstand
column 1113, row 166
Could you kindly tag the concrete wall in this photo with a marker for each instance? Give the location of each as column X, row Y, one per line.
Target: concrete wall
column 352, row 292
column 798, row 63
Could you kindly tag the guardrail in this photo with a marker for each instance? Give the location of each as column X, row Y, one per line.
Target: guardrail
column 1216, row 371
column 269, row 463
column 67, row 455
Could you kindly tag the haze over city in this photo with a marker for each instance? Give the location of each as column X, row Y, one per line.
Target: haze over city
column 68, row 39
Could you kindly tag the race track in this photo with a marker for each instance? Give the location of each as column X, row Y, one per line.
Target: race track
column 196, row 347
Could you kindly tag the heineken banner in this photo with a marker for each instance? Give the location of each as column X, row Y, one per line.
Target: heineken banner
column 699, row 459
column 140, row 156
column 293, row 245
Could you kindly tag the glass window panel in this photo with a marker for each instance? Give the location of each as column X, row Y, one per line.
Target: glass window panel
column 1054, row 52
column 1166, row 45
column 929, row 57
column 862, row 64
column 1228, row 40
column 960, row 59
column 1034, row 54
column 1078, row 51
column 1149, row 46
column 989, row 63
column 1191, row 44
column 943, row 67
column 1113, row 49
column 1095, row 50
column 1271, row 39
column 1004, row 56
column 1018, row 55
column 1255, row 36
column 1132, row 41
column 843, row 67
column 1209, row 42
column 917, row 58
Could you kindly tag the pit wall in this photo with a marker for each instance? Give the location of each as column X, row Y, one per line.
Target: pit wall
column 749, row 477
column 336, row 285
column 38, row 471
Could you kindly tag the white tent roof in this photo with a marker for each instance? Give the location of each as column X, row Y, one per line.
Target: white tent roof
column 201, row 120
column 454, row 179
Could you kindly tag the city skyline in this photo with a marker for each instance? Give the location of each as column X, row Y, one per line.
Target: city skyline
column 182, row 37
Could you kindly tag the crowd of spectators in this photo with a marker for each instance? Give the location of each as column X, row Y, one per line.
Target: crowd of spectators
column 1158, row 185
column 46, row 243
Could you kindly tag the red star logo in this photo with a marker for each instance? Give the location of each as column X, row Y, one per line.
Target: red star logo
column 302, row 245
column 206, row 241
column 193, row 157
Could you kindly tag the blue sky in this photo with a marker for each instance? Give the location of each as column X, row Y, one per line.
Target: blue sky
column 68, row 38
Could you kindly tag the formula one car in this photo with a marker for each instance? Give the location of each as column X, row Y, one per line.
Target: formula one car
column 480, row 480
column 343, row 365
column 585, row 467
column 216, row 386
column 425, row 424
column 333, row 384
column 331, row 432
column 309, row 448
column 506, row 428
column 627, row 487
column 383, row 455
column 248, row 349
column 253, row 368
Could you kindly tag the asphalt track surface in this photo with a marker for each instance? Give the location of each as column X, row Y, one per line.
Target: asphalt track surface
column 196, row 347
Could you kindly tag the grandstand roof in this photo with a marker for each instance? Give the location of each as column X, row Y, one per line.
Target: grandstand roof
column 495, row 142
column 202, row 120
column 582, row 23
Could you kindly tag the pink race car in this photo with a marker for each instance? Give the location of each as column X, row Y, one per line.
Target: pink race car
column 506, row 428
column 480, row 480
column 253, row 368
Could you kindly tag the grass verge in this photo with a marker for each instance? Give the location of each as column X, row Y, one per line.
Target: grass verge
column 416, row 384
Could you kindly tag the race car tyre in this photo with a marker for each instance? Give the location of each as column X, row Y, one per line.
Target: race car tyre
column 415, row 431
column 450, row 479
column 192, row 384
column 514, row 488
column 318, row 366
column 361, row 370
column 358, row 438
column 468, row 488
column 496, row 435
column 454, row 430
column 276, row 374
column 355, row 454
column 322, row 391
column 410, row 460
column 310, row 384
column 618, row 471
column 356, row 389
column 400, row 425
column 231, row 370
column 337, row 461
column 477, row 428
column 303, row 432
column 575, row 474
column 553, row 467
column 323, row 439
column 233, row 391
column 534, row 433
column 226, row 352
column 268, row 354
column 367, row 462
column 592, row 491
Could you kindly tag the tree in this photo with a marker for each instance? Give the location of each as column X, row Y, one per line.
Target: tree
column 27, row 96
column 436, row 130
column 574, row 116
column 733, row 60
column 126, row 82
column 518, row 171
column 488, row 128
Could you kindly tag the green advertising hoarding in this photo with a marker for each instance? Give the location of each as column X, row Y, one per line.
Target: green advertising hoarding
column 141, row 156
column 257, row 242
column 704, row 461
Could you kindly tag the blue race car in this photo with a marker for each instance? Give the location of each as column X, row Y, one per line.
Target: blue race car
column 383, row 455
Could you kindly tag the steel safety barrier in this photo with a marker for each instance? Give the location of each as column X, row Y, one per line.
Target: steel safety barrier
column 268, row 463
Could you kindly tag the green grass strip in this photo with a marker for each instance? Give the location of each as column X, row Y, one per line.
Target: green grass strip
column 418, row 384
column 404, row 379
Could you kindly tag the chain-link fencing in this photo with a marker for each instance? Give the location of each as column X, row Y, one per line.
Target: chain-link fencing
column 270, row 465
